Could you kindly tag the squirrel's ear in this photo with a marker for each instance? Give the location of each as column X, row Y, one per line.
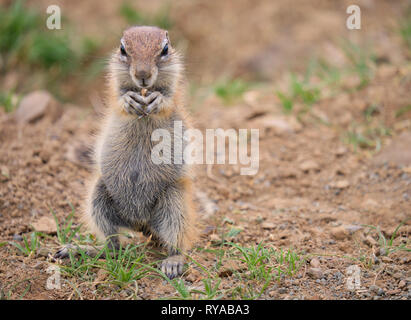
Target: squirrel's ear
column 167, row 36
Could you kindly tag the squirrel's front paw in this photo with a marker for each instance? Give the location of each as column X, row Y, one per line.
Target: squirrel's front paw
column 154, row 102
column 133, row 103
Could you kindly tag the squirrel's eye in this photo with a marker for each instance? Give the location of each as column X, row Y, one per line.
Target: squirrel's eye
column 123, row 50
column 165, row 50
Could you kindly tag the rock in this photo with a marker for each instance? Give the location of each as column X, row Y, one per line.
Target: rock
column 309, row 165
column 397, row 275
column 102, row 275
column 268, row 225
column 386, row 259
column 229, row 267
column 315, row 263
column 315, row 273
column 406, row 260
column 322, row 116
column 340, row 151
column 380, row 292
column 208, row 230
column 398, row 152
column 35, row 105
column 43, row 252
column 345, row 118
column 340, row 233
column 382, row 252
column 352, row 228
column 267, row 63
column 386, row 70
column 402, row 125
column 370, row 241
column 278, row 124
column 370, row 204
column 10, row 81
column 374, row 289
column 5, row 173
column 251, row 97
column 214, row 237
column 393, row 292
column 46, row 225
column 402, row 284
column 282, row 290
column 392, row 232
column 340, row 184
column 193, row 275
column 17, row 237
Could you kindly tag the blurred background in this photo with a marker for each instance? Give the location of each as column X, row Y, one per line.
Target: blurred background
column 232, row 44
column 333, row 109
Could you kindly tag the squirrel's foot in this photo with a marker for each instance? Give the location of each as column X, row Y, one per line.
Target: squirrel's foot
column 154, row 102
column 133, row 103
column 64, row 251
column 173, row 266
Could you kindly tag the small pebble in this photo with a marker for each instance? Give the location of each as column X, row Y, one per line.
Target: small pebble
column 397, row 275
column 315, row 273
column 315, row 263
column 383, row 252
column 43, row 252
column 373, row 288
column 17, row 237
column 381, row 292
column 386, row 259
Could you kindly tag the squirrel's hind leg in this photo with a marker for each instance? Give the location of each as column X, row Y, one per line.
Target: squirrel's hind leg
column 172, row 224
column 105, row 214
column 102, row 215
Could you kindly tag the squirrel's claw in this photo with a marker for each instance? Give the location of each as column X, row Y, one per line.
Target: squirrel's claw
column 138, row 98
column 173, row 266
column 155, row 101
column 133, row 107
column 63, row 252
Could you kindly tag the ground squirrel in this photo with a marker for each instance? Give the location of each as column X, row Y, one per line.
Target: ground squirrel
column 130, row 191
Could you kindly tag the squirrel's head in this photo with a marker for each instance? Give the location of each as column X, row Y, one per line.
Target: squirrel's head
column 146, row 59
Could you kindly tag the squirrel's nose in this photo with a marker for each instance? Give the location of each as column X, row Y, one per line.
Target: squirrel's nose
column 143, row 75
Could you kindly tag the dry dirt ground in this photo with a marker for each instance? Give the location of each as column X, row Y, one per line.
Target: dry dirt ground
column 329, row 199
